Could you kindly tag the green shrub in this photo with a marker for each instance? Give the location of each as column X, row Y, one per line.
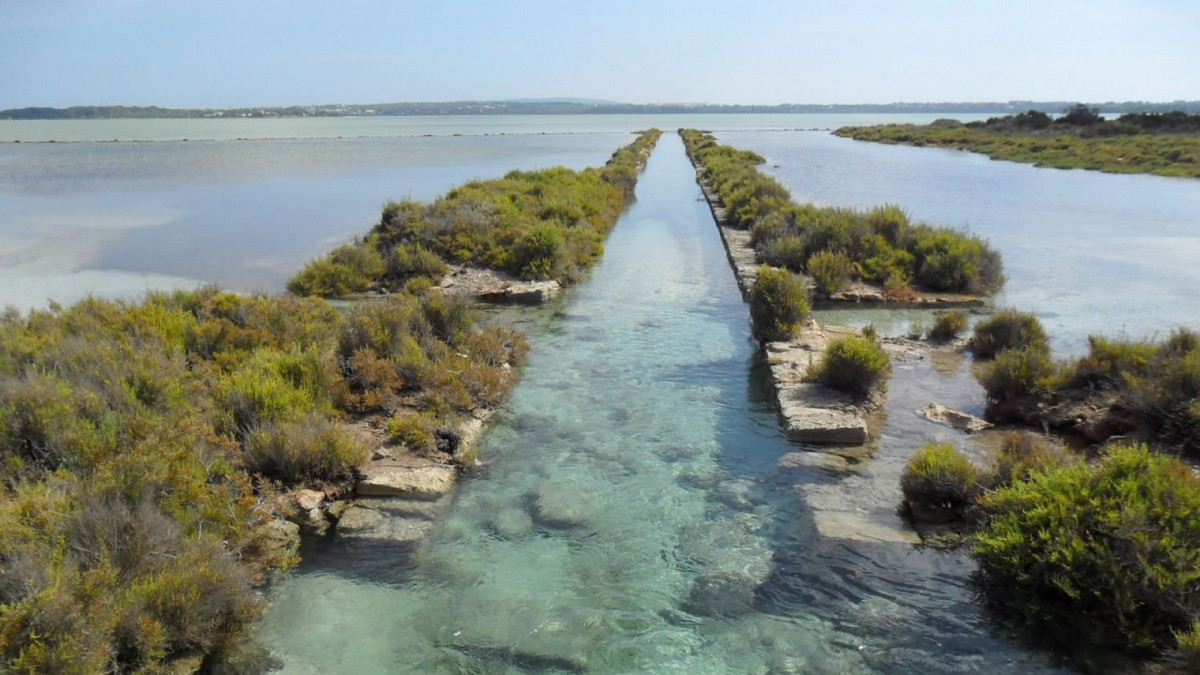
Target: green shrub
column 938, row 480
column 778, row 304
column 1186, row 655
column 414, row 260
column 1108, row 552
column 540, row 254
column 788, row 252
column 830, row 271
column 948, row 324
column 415, row 430
column 1018, row 372
column 1021, row 455
column 349, row 268
column 854, row 364
column 1109, row 360
column 307, row 450
column 1008, row 329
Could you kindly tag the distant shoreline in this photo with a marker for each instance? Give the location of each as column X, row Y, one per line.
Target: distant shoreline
column 484, row 108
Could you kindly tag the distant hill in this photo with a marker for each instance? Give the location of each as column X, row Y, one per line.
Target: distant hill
column 570, row 107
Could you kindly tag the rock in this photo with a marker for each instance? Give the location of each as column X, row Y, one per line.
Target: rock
column 280, row 537
column 954, row 418
column 823, row 425
column 565, row 506
column 358, row 518
column 307, row 500
column 722, row 594
column 337, row 508
column 534, row 293
column 820, row 460
column 418, row 482
column 855, row 526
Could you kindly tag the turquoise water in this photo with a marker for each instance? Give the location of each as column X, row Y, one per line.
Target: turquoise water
column 631, row 516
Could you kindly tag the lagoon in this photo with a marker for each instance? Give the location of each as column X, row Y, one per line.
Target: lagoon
column 643, row 411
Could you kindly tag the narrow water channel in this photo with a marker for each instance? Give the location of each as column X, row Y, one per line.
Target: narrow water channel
column 632, row 516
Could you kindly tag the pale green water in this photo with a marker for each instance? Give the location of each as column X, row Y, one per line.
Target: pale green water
column 637, row 468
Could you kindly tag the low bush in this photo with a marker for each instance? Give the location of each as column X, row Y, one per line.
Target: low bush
column 1008, row 329
column 778, row 304
column 853, row 364
column 1019, row 372
column 415, row 430
column 830, row 271
column 948, row 324
column 1107, row 552
column 1021, row 455
column 880, row 245
column 938, row 480
column 307, row 450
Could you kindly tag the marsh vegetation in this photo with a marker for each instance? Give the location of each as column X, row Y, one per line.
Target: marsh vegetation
column 1164, row 144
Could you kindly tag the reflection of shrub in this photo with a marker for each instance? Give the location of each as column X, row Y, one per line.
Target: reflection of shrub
column 1007, row 329
column 1105, row 552
column 854, row 364
column 830, row 271
column 778, row 304
column 948, row 325
column 939, row 480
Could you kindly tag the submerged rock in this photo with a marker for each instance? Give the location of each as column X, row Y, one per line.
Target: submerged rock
column 954, row 418
column 358, row 518
column 722, row 594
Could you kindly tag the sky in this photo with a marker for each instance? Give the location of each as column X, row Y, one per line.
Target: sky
column 233, row 53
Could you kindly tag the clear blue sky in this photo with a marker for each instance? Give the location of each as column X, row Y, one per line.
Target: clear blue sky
column 201, row 53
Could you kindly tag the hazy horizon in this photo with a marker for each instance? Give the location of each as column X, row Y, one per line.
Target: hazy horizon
column 228, row 54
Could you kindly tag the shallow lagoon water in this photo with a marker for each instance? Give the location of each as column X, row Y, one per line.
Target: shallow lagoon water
column 643, row 413
column 1087, row 252
column 633, row 518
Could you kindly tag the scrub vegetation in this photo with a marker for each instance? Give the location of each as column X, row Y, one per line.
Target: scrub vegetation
column 142, row 448
column 145, row 448
column 835, row 246
column 534, row 225
column 1086, row 550
column 1164, row 144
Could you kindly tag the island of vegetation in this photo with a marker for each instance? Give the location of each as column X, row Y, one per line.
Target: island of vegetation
column 1159, row 143
column 158, row 459
column 826, row 380
column 1096, row 545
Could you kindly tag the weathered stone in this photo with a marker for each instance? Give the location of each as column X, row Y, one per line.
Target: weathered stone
column 820, row 460
column 855, row 526
column 533, row 293
column 280, row 536
column 418, row 482
column 307, row 500
column 358, row 518
column 954, row 418
column 823, row 425
column 336, row 509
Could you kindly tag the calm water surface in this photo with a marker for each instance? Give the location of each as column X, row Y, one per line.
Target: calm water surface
column 636, row 471
column 634, row 519
column 1088, row 252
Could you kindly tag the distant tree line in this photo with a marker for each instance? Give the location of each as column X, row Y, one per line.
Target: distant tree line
column 569, row 107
